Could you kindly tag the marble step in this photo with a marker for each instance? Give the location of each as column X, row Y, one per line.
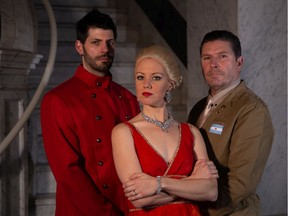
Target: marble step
column 45, row 204
column 71, row 14
column 66, row 53
column 67, row 33
column 94, row 3
column 46, row 183
column 123, row 73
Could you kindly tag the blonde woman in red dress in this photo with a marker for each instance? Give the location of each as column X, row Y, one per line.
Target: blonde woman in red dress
column 163, row 164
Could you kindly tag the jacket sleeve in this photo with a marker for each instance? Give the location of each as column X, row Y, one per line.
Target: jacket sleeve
column 76, row 192
column 250, row 146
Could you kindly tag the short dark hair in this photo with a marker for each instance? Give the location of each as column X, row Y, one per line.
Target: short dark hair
column 224, row 36
column 94, row 19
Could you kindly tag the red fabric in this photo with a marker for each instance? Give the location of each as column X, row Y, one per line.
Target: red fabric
column 153, row 164
column 175, row 209
column 77, row 118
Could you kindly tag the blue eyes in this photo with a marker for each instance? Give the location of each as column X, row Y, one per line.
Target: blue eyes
column 157, row 78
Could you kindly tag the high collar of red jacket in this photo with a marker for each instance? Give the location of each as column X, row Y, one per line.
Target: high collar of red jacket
column 92, row 80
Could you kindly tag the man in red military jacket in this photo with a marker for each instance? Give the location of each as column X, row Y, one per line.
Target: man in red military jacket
column 77, row 118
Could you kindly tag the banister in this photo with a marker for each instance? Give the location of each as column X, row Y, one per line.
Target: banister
column 43, row 83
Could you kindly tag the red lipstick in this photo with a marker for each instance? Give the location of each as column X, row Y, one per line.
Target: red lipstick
column 146, row 94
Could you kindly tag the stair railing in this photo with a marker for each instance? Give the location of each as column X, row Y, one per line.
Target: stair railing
column 43, row 83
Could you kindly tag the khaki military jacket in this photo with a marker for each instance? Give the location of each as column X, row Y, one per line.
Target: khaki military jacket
column 238, row 134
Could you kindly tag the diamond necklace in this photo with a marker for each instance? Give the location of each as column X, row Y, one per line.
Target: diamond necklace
column 163, row 125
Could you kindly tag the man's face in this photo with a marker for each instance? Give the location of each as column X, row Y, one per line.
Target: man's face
column 219, row 65
column 98, row 51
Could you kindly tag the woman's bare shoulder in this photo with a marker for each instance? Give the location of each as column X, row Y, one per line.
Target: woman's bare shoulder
column 193, row 128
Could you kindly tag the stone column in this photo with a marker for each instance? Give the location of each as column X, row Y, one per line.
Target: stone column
column 17, row 57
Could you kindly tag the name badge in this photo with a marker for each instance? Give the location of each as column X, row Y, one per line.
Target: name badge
column 216, row 129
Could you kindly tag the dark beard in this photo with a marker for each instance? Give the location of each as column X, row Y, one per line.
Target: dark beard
column 100, row 67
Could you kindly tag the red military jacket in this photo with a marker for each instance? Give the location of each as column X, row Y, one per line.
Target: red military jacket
column 77, row 118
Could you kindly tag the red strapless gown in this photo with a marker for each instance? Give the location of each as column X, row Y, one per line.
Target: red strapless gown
column 153, row 164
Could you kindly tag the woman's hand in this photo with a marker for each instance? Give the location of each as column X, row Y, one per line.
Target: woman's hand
column 204, row 169
column 140, row 185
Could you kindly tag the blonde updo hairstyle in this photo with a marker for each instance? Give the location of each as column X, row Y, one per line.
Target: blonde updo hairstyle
column 166, row 59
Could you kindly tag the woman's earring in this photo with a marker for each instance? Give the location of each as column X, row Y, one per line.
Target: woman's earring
column 168, row 97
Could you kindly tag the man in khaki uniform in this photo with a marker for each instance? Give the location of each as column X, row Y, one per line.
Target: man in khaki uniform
column 236, row 126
